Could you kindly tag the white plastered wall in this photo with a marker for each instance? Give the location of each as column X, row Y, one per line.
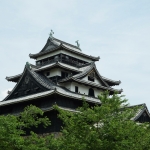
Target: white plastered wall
column 66, row 85
column 95, row 80
column 55, row 72
column 84, row 89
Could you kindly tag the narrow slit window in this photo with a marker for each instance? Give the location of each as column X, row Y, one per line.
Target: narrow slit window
column 76, row 89
column 91, row 92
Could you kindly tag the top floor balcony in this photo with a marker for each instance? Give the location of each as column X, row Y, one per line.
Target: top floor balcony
column 61, row 58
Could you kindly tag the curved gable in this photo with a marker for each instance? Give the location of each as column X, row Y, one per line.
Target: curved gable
column 29, row 83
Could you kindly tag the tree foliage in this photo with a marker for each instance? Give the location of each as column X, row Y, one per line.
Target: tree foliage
column 109, row 126
column 13, row 130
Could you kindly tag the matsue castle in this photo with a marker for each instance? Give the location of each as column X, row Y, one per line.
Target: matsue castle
column 63, row 74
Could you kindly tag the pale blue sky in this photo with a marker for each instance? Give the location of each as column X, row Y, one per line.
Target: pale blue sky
column 116, row 30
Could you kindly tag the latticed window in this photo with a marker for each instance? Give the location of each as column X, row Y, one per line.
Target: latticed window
column 91, row 76
column 76, row 89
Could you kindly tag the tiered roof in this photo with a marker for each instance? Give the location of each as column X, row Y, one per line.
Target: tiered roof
column 82, row 71
column 87, row 69
column 55, row 44
column 49, row 89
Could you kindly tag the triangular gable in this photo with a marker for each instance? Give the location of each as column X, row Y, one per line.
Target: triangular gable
column 143, row 117
column 27, row 85
column 143, row 114
column 55, row 44
column 49, row 45
column 91, row 73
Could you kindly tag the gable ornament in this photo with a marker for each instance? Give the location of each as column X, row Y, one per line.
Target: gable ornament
column 51, row 35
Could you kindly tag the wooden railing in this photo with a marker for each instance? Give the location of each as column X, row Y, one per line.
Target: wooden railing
column 65, row 61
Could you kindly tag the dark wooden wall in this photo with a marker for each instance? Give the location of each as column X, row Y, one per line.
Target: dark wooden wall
column 45, row 103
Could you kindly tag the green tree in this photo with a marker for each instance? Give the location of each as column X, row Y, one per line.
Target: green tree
column 13, row 130
column 106, row 127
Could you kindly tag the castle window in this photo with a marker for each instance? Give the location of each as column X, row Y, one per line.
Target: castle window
column 56, row 58
column 64, row 74
column 38, row 63
column 90, row 78
column 76, row 89
column 91, row 92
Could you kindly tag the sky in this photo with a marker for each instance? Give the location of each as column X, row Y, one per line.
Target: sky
column 116, row 30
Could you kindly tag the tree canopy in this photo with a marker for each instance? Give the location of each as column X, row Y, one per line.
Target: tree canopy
column 109, row 126
column 13, row 130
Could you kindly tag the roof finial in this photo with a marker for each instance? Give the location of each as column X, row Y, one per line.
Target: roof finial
column 78, row 45
column 51, row 35
column 28, row 65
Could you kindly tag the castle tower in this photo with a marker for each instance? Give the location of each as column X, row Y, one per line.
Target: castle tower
column 62, row 75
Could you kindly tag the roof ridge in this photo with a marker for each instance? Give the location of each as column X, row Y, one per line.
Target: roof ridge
column 44, row 81
column 41, row 79
column 26, row 68
column 59, row 91
column 43, row 52
column 66, row 43
column 84, row 72
column 111, row 79
column 77, row 51
column 87, row 64
column 7, row 77
column 142, row 104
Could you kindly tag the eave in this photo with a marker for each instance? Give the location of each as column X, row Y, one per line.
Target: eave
column 92, row 84
column 57, row 64
column 39, row 80
column 60, row 47
column 51, row 108
column 44, row 68
column 48, row 93
column 60, row 107
column 92, row 67
column 14, row 78
column 111, row 82
column 143, row 108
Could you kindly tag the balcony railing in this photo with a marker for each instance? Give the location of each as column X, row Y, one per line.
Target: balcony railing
column 65, row 61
